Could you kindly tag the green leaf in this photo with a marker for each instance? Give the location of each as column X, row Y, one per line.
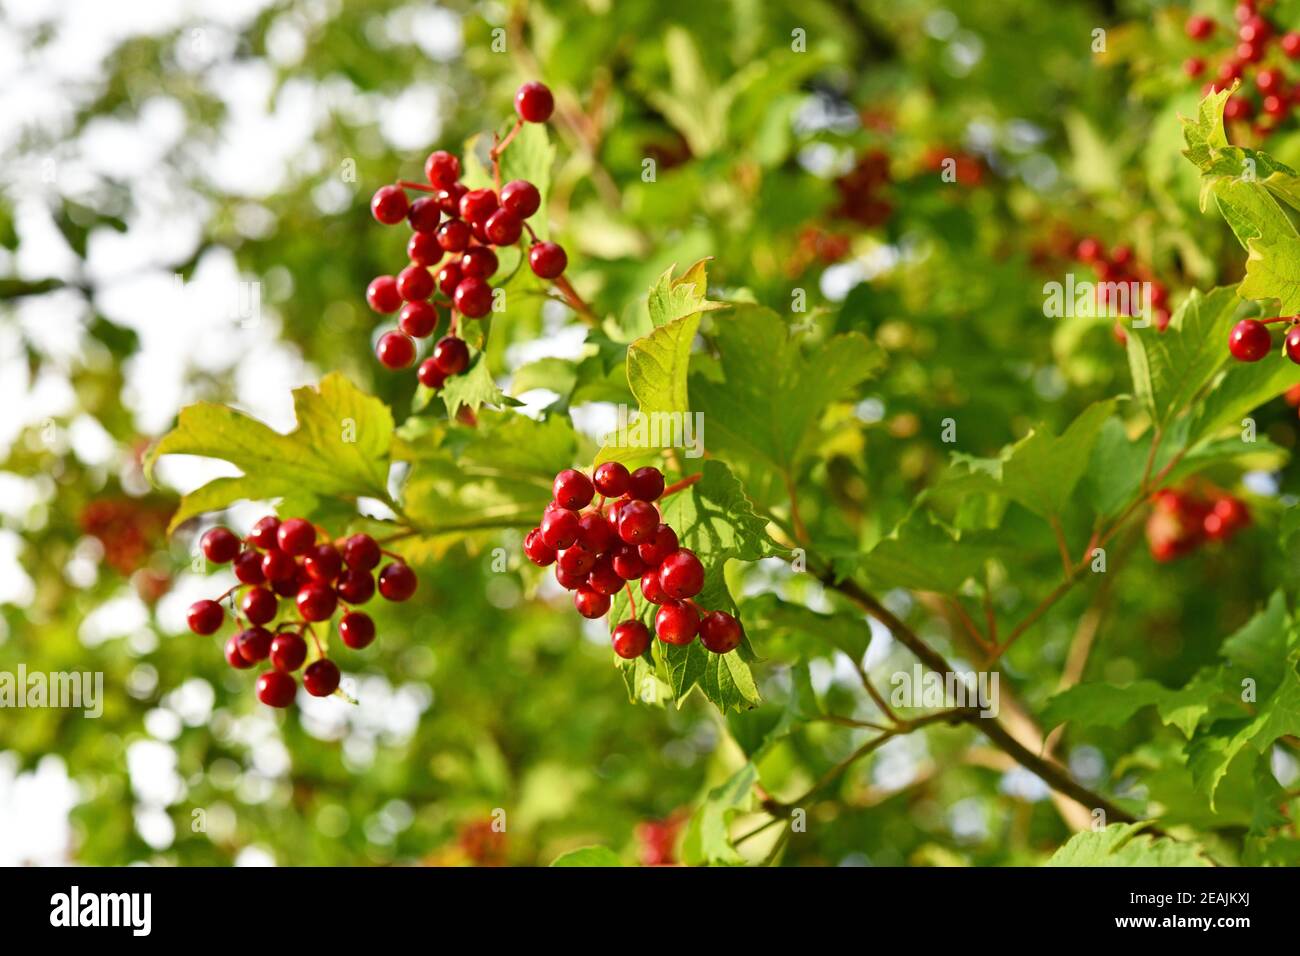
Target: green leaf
column 1122, row 844
column 1273, row 272
column 676, row 298
column 588, row 856
column 1243, row 387
column 708, row 836
column 472, row 389
column 340, row 449
column 1112, row 705
column 922, row 555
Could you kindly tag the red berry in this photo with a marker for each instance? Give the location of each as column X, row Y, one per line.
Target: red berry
column 389, row 204
column 681, row 574
column 317, row 601
column 477, row 204
column 603, row 579
column 1199, row 28
column 415, row 283
column 534, row 102
column 1237, row 108
column 453, row 235
column 473, row 298
column 442, row 169
column 650, row 588
column 537, row 550
column 576, row 560
column 547, row 259
column 395, row 350
column 637, row 520
column 288, row 651
column 1291, row 45
column 423, row 249
column 397, row 581
column 646, row 484
column 573, row 489
column 1089, row 250
column 521, row 198
column 259, row 605
column 1193, row 66
column 418, row 319
column 570, row 582
column 627, row 562
column 233, row 657
column 323, row 563
column 321, row 678
column 591, row 604
column 611, row 479
column 503, row 227
column 357, row 630
column 205, row 617
column 449, row 199
column 451, row 355
column 1269, row 81
column 1232, row 511
column 1249, row 341
column 276, row 689
column 361, row 552
column 595, row 533
column 448, row 278
column 478, row 262
column 559, row 528
column 630, row 639
column 424, row 214
column 658, row 546
column 1250, row 52
column 676, row 623
column 430, row 375
column 278, row 566
column 382, row 295
column 1292, row 344
column 254, row 644
column 1255, row 30
column 720, row 632
column 264, row 532
column 248, row 568
column 219, row 545
column 296, row 537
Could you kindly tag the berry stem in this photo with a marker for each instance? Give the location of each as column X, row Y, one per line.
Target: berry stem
column 314, row 639
column 498, row 147
column 630, row 599
column 575, row 301
column 686, row 482
column 422, row 187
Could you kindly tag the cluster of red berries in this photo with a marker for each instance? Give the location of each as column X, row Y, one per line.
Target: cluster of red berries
column 1181, row 521
column 1255, row 33
column 453, row 232
column 1118, row 267
column 284, row 559
column 1250, row 339
column 597, row 548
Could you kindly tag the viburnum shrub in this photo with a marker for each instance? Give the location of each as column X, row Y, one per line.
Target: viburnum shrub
column 286, row 559
column 1181, row 521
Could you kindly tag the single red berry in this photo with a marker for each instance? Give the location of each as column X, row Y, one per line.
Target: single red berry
column 233, row 656
column 720, row 632
column 534, row 102
column 423, row 249
column 219, row 545
column 430, row 375
column 323, row 563
column 205, row 617
column 1292, row 344
column 537, row 550
column 595, row 533
column 395, row 350
column 479, row 231
column 448, row 278
column 1291, row 45
column 503, row 227
column 646, row 484
column 1229, row 70
column 288, row 651
column 388, row 205
column 1232, row 512
column 254, row 644
column 630, row 639
column 259, row 605
column 453, row 235
column 361, row 552
column 1269, row 81
column 418, row 319
column 611, row 479
column 317, row 601
column 1237, row 108
column 477, row 204
column 442, row 169
column 264, row 532
column 1193, row 66
column 424, row 214
column 356, row 586
column 478, row 262
column 449, row 199
column 676, row 623
column 681, row 574
column 573, row 489
column 278, row 566
column 296, row 537
column 658, row 546
column 451, row 355
column 570, row 582
column 357, row 630
column 547, row 259
column 321, row 678
column 1249, row 341
column 397, row 581
column 591, row 604
column 415, row 283
column 382, row 295
column 627, row 562
column 576, row 560
column 559, row 529
column 1200, row 28
column 1249, row 52
column 276, row 689
column 473, row 298
column 248, row 567
column 603, row 579
column 637, row 520
column 521, row 198
column 1255, row 30
column 651, row 589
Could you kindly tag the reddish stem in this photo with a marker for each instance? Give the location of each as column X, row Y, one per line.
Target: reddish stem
column 630, row 599
column 684, row 483
column 422, row 187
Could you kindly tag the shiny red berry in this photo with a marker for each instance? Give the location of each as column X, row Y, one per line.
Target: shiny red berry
column 591, row 604
column 537, row 550
column 646, row 484
column 449, row 199
column 658, row 546
column 534, row 102
column 288, row 651
column 316, row 601
column 448, row 277
column 424, row 214
column 570, row 582
column 415, row 283
column 681, row 574
column 321, row 678
column 603, row 579
column 503, row 227
column 595, row 533
column 264, row 532
column 278, row 566
column 205, row 617
column 397, row 581
column 254, row 644
column 1249, row 341
column 219, row 545
column 233, row 656
column 676, row 623
column 418, row 319
column 248, row 568
column 627, row 562
column 382, row 295
column 356, row 586
column 323, row 563
column 521, row 198
column 423, row 249
column 361, row 552
column 259, row 605
column 442, row 169
column 650, row 588
column 357, row 630
column 573, row 489
column 576, row 560
column 388, row 205
column 630, row 639
column 276, row 689
column 473, row 298
column 559, row 528
column 395, row 350
column 296, row 537
column 430, row 375
column 477, row 204
column 453, row 235
column 720, row 632
column 637, row 521
column 547, row 259
column 1292, row 344
column 611, row 479
column 478, row 262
